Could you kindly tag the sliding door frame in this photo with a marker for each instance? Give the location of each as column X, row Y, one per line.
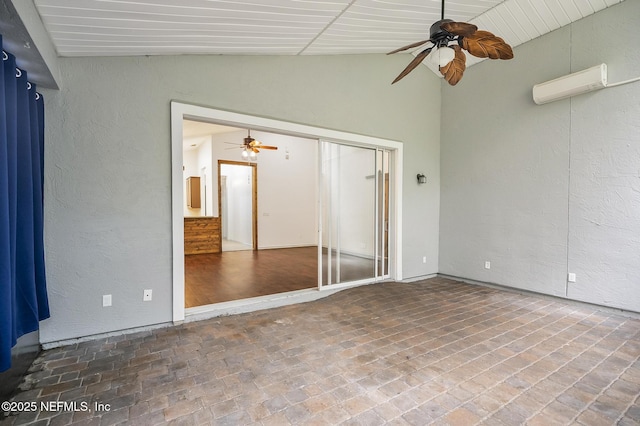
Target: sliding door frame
column 181, row 111
column 380, row 255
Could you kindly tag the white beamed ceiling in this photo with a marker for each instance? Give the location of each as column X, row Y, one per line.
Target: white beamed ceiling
column 286, row 27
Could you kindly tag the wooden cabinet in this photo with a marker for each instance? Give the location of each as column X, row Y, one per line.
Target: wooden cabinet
column 193, row 192
column 202, row 235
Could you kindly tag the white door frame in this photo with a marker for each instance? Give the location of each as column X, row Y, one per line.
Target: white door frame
column 331, row 245
column 181, row 111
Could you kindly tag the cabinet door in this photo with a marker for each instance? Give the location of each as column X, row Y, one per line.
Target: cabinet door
column 193, row 192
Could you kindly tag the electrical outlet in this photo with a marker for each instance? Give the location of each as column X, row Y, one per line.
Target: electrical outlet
column 106, row 300
column 147, row 295
column 424, row 259
column 487, row 265
column 572, row 277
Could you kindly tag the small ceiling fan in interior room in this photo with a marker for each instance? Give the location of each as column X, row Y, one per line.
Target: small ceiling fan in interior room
column 251, row 147
column 447, row 39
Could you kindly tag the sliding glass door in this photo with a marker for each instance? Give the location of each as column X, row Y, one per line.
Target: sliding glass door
column 354, row 214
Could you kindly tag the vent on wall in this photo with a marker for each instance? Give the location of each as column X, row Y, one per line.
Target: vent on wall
column 580, row 82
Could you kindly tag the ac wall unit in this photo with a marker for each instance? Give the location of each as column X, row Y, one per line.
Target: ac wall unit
column 584, row 81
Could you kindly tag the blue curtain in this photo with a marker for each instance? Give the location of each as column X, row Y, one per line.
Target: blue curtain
column 23, row 292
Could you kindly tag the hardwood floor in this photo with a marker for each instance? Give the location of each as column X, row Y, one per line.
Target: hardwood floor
column 234, row 275
column 221, row 277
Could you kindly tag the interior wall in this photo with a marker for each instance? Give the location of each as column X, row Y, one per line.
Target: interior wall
column 544, row 190
column 108, row 164
column 205, row 172
column 286, row 174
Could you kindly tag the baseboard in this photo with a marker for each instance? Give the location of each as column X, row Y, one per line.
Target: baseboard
column 124, row 332
column 287, row 246
column 419, row 278
column 516, row 290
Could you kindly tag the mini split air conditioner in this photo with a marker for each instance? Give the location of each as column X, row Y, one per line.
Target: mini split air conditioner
column 584, row 81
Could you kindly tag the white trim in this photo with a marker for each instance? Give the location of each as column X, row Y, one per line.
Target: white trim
column 180, row 111
column 395, row 221
column 342, row 286
column 177, row 211
column 395, row 264
column 235, row 119
column 269, row 301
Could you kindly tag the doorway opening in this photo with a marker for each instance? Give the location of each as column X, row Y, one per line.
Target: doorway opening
column 238, row 205
column 232, row 268
column 386, row 258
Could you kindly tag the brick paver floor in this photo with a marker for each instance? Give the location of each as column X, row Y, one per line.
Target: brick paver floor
column 431, row 352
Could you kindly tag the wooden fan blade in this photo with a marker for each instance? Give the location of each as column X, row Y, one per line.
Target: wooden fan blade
column 453, row 71
column 484, row 44
column 459, row 28
column 267, row 147
column 416, row 61
column 409, row 46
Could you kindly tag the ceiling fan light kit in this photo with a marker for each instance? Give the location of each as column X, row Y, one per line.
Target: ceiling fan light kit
column 448, row 39
column 251, row 147
column 248, row 154
column 441, row 56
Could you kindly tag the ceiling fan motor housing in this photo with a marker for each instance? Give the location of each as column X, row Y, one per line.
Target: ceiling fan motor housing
column 438, row 36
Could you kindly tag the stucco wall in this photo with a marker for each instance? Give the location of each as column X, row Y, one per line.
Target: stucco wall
column 541, row 191
column 108, row 165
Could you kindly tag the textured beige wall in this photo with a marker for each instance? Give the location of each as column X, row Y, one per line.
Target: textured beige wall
column 544, row 190
column 108, row 164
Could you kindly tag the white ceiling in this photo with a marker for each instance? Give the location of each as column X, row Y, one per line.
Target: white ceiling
column 286, row 27
column 195, row 129
column 195, row 133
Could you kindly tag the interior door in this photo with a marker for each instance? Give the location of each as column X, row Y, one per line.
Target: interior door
column 354, row 215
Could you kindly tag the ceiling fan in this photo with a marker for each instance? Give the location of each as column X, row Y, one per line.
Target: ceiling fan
column 251, row 147
column 452, row 60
